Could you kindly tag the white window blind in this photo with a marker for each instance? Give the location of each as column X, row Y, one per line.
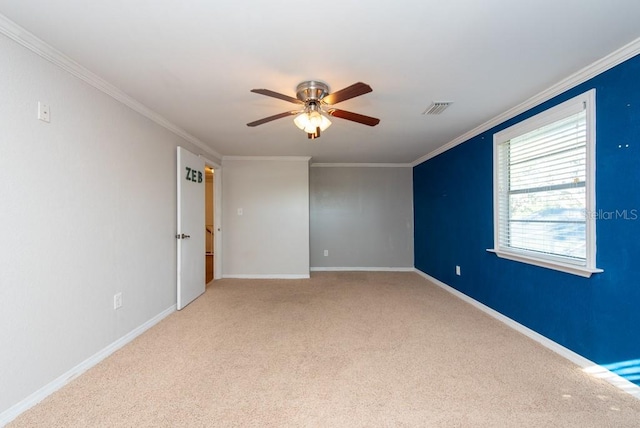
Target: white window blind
column 543, row 187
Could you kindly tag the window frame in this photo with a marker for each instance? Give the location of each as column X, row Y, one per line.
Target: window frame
column 553, row 114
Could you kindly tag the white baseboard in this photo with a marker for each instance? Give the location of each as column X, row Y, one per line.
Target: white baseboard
column 14, row 411
column 587, row 365
column 362, row 269
column 267, row 276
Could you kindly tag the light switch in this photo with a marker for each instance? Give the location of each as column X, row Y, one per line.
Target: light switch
column 43, row 112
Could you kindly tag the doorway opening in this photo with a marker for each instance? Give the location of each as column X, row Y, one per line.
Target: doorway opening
column 209, row 219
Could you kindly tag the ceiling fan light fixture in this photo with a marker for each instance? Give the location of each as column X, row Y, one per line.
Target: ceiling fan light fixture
column 301, row 120
column 324, row 122
column 315, row 119
column 309, row 122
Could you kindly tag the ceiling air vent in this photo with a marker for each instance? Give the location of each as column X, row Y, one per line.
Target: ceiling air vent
column 437, row 107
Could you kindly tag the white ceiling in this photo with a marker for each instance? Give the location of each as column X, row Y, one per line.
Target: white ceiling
column 194, row 62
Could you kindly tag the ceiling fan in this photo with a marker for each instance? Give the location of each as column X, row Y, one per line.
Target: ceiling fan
column 315, row 101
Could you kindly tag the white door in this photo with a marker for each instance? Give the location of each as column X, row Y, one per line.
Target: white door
column 191, row 227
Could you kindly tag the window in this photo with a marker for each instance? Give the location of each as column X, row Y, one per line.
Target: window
column 544, row 183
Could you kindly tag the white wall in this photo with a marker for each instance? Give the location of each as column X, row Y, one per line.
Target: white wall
column 87, row 209
column 363, row 216
column 271, row 237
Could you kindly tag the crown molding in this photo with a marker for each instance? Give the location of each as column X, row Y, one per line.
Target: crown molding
column 617, row 57
column 51, row 54
column 361, row 165
column 267, row 158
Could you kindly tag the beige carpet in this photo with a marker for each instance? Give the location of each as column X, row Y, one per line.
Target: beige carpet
column 338, row 350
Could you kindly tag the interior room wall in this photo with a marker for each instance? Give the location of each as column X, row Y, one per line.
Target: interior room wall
column 88, row 209
column 596, row 317
column 265, row 219
column 362, row 216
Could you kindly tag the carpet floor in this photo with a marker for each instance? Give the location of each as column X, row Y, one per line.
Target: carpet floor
column 343, row 349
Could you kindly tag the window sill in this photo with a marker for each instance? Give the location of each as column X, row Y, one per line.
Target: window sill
column 562, row 267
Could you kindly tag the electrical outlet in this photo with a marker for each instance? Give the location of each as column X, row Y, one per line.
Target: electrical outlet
column 458, row 270
column 326, row 253
column 117, row 301
column 239, row 211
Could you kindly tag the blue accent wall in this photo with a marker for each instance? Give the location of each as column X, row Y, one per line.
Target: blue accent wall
column 597, row 317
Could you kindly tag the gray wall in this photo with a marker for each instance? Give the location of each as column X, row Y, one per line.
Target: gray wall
column 362, row 215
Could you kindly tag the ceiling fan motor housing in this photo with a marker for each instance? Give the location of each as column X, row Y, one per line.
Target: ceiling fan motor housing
column 311, row 90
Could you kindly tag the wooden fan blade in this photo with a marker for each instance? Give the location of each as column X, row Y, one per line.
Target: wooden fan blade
column 354, row 117
column 270, row 118
column 347, row 93
column 278, row 95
